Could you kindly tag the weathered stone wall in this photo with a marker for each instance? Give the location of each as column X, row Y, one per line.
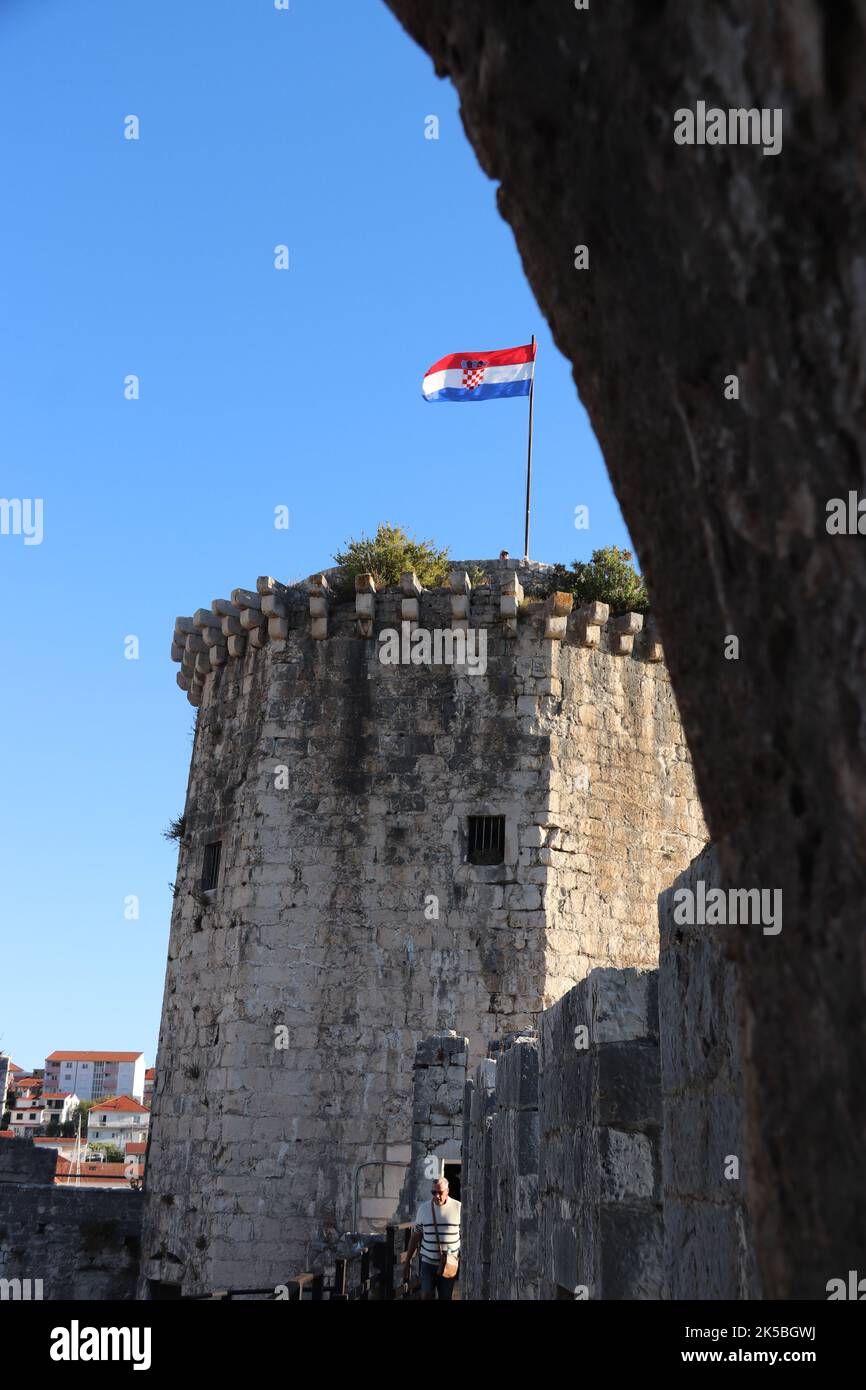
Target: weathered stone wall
column 708, row 1244
column 626, row 814
column 479, row 1104
column 707, row 262
column 22, row 1161
column 514, row 1173
column 599, row 1183
column 346, row 911
column 642, row 1168
column 439, row 1082
column 81, row 1244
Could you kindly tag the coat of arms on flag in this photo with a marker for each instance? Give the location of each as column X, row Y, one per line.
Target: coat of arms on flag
column 481, row 376
column 473, row 373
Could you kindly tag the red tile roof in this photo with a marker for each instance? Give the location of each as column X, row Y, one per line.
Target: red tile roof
column 55, row 1095
column 136, row 1148
column 28, row 1081
column 94, row 1056
column 150, row 1074
column 125, row 1103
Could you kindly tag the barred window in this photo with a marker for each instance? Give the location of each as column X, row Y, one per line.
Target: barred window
column 486, row 839
column 211, row 866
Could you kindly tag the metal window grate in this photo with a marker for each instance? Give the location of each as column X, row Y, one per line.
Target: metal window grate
column 211, row 866
column 486, row 839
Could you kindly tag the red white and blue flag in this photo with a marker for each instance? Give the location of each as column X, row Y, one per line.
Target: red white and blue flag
column 481, row 376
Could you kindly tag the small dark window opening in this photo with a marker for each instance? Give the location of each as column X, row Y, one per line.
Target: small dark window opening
column 211, row 867
column 452, row 1173
column 486, row 839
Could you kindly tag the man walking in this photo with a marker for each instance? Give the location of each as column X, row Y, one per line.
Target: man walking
column 437, row 1231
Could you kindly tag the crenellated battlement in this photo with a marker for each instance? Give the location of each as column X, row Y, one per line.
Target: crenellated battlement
column 269, row 615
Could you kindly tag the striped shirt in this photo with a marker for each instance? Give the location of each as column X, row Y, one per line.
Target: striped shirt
column 448, row 1221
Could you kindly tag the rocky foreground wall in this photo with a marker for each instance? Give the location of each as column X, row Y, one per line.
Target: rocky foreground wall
column 607, row 1159
column 63, row 1242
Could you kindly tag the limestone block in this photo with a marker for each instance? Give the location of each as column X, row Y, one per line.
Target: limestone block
column 652, row 640
column 225, row 609
column 218, row 654
column 365, row 604
column 177, row 650
column 273, row 606
column 278, row 629
column 509, row 603
column 459, row 583
column 251, row 618
column 245, row 598
column 557, row 608
column 588, row 621
column 202, row 664
column 195, row 644
column 213, row 636
column 623, row 631
column 266, row 585
column 410, row 585
column 236, row 646
column 231, row 626
column 182, row 626
column 182, row 680
column 258, row 636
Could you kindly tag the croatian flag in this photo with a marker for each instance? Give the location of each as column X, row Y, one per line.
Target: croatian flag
column 481, row 376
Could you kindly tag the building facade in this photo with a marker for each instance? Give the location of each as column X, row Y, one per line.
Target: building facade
column 92, row 1075
column 119, row 1121
column 374, row 850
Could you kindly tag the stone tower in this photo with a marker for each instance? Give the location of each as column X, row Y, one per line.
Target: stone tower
column 373, row 851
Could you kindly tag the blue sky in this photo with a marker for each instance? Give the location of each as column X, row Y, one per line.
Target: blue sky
column 259, row 388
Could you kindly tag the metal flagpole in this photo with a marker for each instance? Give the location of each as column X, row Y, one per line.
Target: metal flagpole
column 529, row 454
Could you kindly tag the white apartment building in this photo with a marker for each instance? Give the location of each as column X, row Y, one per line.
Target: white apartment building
column 121, row 1121
column 93, row 1075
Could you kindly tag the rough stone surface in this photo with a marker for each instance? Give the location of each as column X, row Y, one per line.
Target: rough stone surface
column 438, row 1089
column 81, row 1244
column 599, row 1173
column 477, row 1183
column 707, row 261
column 708, row 1244
column 514, row 1175
column 22, row 1161
column 346, row 912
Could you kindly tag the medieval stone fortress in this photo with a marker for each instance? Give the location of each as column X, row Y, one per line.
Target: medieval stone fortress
column 373, row 853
